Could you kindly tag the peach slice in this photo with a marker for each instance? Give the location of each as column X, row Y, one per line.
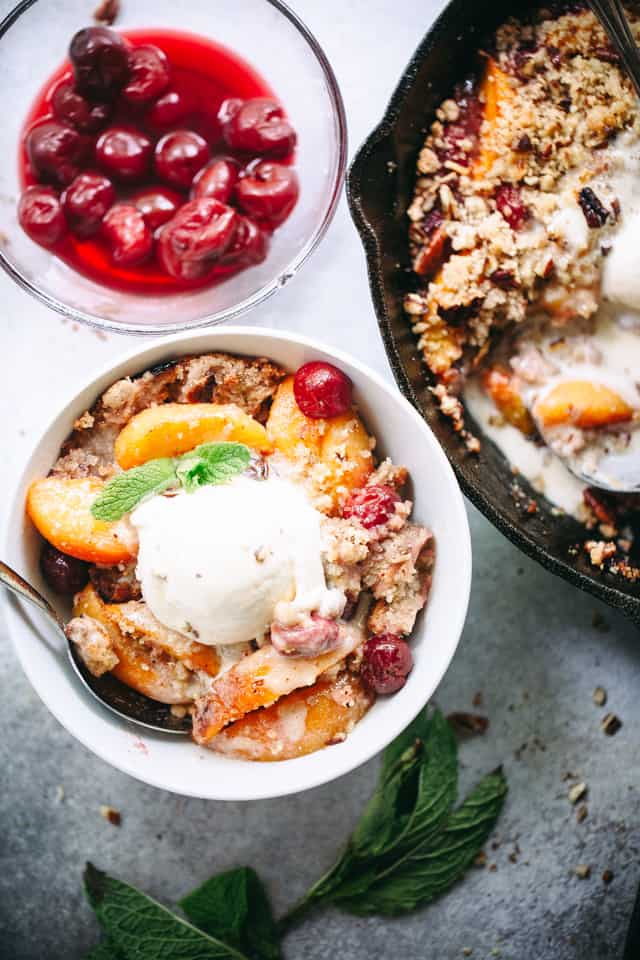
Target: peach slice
column 336, row 451
column 171, row 429
column 498, row 383
column 300, row 723
column 60, row 508
column 497, row 93
column 586, row 405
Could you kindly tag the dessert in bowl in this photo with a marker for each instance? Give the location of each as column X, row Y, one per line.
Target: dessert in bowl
column 272, row 604
column 167, row 173
column 519, row 215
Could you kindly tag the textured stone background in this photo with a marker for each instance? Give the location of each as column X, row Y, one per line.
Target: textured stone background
column 530, row 645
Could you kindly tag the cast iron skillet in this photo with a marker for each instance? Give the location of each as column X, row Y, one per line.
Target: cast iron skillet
column 380, row 186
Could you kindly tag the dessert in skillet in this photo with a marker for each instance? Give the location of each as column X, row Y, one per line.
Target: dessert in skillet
column 234, row 549
column 155, row 161
column 524, row 234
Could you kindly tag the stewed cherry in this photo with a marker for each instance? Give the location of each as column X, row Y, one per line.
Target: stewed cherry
column 41, row 216
column 268, row 191
column 371, row 505
column 100, row 59
column 72, row 108
column 124, row 153
column 179, row 156
column 216, row 180
column 200, row 233
column 157, row 205
column 249, row 246
column 64, row 574
column 56, row 152
column 168, row 110
column 149, row 74
column 256, row 126
column 127, row 234
column 386, row 663
column 85, row 202
column 321, row 390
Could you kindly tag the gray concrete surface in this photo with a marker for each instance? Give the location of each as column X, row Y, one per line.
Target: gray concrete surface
column 531, row 648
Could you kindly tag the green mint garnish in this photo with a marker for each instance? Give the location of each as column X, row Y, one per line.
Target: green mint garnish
column 210, row 463
column 411, row 845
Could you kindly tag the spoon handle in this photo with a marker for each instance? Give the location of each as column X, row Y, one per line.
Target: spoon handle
column 614, row 20
column 16, row 584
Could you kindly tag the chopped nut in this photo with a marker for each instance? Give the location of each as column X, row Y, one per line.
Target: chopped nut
column 577, row 792
column 467, row 952
column 493, row 867
column 582, row 813
column 600, row 696
column 477, row 699
column 480, row 860
column 111, row 814
column 610, row 724
column 582, row 871
column 607, row 876
column 468, row 724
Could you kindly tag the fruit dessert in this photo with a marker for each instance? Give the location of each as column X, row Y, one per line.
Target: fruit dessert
column 155, row 161
column 234, row 550
column 523, row 231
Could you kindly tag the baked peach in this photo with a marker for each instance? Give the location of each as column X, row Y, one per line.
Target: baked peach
column 60, row 508
column 582, row 403
column 498, row 382
column 497, row 93
column 302, row 722
column 171, row 429
column 336, row 451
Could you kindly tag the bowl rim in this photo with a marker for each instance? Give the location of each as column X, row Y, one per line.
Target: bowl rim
column 613, row 596
column 268, row 289
column 250, row 340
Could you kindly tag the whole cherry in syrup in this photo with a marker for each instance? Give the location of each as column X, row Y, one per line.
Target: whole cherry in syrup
column 156, row 161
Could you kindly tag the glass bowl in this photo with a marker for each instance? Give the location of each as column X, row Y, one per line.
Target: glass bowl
column 34, row 39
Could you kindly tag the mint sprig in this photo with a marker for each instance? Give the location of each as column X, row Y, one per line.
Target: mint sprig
column 409, row 847
column 210, row 463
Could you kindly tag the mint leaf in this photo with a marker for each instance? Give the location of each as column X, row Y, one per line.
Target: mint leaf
column 234, row 907
column 143, row 929
column 105, row 950
column 431, row 868
column 223, row 460
column 125, row 491
column 415, row 792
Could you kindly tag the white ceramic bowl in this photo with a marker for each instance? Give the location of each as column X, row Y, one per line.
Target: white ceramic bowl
column 175, row 763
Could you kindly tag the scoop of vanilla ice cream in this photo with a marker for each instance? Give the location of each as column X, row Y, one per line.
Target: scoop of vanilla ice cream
column 218, row 563
column 620, row 274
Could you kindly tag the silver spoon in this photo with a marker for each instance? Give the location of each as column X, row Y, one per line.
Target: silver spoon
column 116, row 696
column 614, row 20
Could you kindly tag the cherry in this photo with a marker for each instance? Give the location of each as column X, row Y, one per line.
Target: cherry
column 386, row 663
column 216, row 180
column 249, row 246
column 127, row 234
column 100, row 59
column 63, row 573
column 268, row 191
column 157, row 205
column 57, row 153
column 41, row 216
column 149, row 74
column 511, row 205
column 256, row 126
column 179, row 156
column 321, row 390
column 168, row 110
column 85, row 202
column 201, row 231
column 124, row 152
column 371, row 505
column 71, row 107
